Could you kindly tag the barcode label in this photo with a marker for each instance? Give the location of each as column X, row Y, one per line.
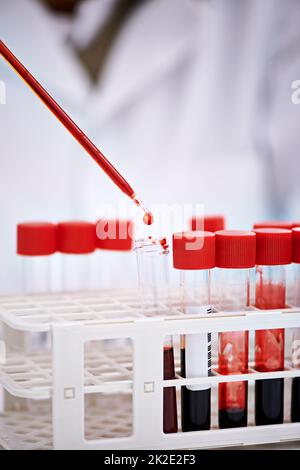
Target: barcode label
column 198, row 352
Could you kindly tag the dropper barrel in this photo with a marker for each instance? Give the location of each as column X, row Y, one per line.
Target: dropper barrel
column 65, row 119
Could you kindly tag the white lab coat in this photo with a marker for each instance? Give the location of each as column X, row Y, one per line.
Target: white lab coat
column 175, row 112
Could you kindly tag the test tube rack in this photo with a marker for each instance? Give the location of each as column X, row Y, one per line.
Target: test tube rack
column 60, row 380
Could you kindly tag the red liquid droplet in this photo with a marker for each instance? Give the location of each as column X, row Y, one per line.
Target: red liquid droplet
column 148, row 218
column 164, row 243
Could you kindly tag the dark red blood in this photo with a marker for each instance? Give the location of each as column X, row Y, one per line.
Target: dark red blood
column 169, row 395
column 269, row 356
column 195, row 405
column 295, row 407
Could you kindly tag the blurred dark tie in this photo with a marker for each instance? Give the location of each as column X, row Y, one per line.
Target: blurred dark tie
column 94, row 56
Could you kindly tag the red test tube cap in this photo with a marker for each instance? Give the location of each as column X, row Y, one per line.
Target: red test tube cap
column 114, row 235
column 296, row 224
column 284, row 224
column 296, row 245
column 194, row 250
column 36, row 239
column 273, row 246
column 76, row 237
column 208, row 223
column 235, row 249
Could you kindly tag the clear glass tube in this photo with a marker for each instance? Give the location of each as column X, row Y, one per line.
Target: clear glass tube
column 115, row 269
column 36, row 279
column 234, row 289
column 234, row 295
column 153, row 277
column 195, row 351
column 36, row 273
column 295, row 400
column 270, row 293
column 155, row 298
column 76, row 272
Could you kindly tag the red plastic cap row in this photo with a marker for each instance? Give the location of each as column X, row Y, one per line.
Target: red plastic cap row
column 36, row 239
column 235, row 249
column 296, row 245
column 116, row 235
column 273, row 246
column 76, row 237
column 208, row 223
column 283, row 224
column 43, row 238
column 194, row 250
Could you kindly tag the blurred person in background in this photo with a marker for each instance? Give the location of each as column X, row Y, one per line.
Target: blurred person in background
column 189, row 99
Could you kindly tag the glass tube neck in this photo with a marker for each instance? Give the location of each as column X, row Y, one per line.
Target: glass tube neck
column 152, row 245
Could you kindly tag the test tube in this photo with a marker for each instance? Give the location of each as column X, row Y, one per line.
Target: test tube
column 235, row 256
column 36, row 242
column 194, row 255
column 296, row 261
column 115, row 244
column 209, row 223
column 273, row 253
column 76, row 242
column 154, row 287
column 295, row 400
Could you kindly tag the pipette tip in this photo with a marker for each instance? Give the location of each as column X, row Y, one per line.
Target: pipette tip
column 148, row 217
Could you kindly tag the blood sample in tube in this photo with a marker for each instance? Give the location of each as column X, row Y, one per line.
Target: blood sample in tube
column 235, row 256
column 169, row 395
column 153, row 277
column 274, row 252
column 194, row 256
column 295, row 399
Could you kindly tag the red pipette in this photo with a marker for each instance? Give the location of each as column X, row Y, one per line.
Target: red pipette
column 76, row 132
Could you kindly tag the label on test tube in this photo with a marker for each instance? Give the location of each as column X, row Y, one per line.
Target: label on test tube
column 198, row 351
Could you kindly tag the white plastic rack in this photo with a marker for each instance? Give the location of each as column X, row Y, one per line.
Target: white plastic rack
column 100, row 385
